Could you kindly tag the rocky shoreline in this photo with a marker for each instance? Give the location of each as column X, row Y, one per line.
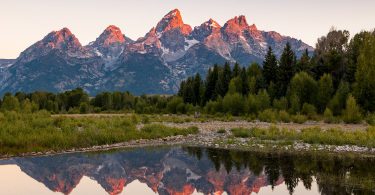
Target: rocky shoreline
column 209, row 137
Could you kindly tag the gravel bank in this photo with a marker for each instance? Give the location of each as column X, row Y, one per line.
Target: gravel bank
column 216, row 125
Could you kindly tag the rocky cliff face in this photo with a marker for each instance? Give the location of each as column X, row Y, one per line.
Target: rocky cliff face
column 155, row 63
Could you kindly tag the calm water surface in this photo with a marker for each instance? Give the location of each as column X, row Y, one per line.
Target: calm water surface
column 179, row 170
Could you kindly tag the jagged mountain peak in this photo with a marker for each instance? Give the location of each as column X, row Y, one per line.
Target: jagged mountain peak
column 275, row 35
column 239, row 24
column 253, row 27
column 112, row 28
column 111, row 35
column 173, row 13
column 211, row 24
column 172, row 20
column 239, row 21
column 62, row 32
column 62, row 39
column 206, row 29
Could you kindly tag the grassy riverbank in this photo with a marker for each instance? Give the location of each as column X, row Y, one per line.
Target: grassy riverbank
column 42, row 132
column 24, row 133
column 316, row 135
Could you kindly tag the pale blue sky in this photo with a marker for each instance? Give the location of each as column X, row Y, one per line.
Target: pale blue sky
column 23, row 22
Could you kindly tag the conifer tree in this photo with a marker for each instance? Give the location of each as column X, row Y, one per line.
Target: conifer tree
column 245, row 82
column 303, row 63
column 286, row 69
column 189, row 96
column 223, row 81
column 270, row 68
column 236, row 70
column 211, row 81
column 197, row 87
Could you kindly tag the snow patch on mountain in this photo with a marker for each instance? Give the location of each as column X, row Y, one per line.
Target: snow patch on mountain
column 170, row 56
column 190, row 43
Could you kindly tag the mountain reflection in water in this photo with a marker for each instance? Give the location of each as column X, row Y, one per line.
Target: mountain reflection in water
column 185, row 170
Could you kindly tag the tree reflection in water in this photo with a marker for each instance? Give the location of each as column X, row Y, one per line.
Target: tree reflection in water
column 185, row 170
column 334, row 174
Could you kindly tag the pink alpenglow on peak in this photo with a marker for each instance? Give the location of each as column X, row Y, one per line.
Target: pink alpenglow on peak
column 211, row 25
column 62, row 39
column 171, row 21
column 237, row 24
column 208, row 28
column 111, row 35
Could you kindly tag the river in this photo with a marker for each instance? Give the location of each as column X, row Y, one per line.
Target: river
column 187, row 170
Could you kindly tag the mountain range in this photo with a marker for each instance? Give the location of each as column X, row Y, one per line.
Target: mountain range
column 153, row 64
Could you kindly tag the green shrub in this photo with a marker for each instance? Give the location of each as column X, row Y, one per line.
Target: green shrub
column 190, row 109
column 351, row 114
column 337, row 103
column 328, row 116
column 214, row 107
column 267, row 115
column 280, row 104
column 295, row 106
column 73, row 111
column 210, row 107
column 308, row 110
column 234, row 104
column 174, row 104
column 221, row 131
column 304, row 87
column 370, row 119
column 145, row 119
column 97, row 110
column 158, row 131
column 241, row 132
column 135, row 119
column 84, row 108
column 10, row 103
column 252, row 104
column 298, row 118
column 181, row 108
column 263, row 100
column 284, row 116
column 2, row 117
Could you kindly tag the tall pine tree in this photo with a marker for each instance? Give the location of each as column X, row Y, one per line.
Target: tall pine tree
column 197, row 88
column 270, row 68
column 236, row 70
column 286, row 69
column 303, row 63
column 222, row 84
column 245, row 81
column 211, row 80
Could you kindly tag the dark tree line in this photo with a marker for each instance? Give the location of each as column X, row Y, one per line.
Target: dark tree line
column 78, row 101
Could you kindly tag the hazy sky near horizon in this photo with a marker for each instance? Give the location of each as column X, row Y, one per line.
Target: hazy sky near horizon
column 23, row 22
